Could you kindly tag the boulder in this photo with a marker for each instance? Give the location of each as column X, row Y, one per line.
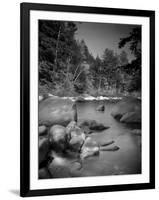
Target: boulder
column 136, row 132
column 80, row 99
column 57, row 111
column 76, row 143
column 71, row 126
column 89, row 148
column 44, row 148
column 42, row 130
column 100, row 108
column 58, row 138
column 92, row 125
column 44, row 173
column 76, row 136
column 41, row 98
column 127, row 110
column 111, row 148
column 131, row 117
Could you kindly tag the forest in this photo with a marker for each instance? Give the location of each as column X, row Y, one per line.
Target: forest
column 67, row 68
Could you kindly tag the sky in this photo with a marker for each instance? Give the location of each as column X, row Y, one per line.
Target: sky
column 99, row 36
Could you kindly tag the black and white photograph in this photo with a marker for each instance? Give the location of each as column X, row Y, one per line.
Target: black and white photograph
column 87, row 99
column 89, row 87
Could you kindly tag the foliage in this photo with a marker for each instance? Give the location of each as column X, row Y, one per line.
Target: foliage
column 67, row 68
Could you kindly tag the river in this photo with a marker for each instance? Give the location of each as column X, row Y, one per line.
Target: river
column 127, row 160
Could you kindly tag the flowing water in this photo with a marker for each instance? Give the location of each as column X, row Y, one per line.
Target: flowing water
column 127, row 160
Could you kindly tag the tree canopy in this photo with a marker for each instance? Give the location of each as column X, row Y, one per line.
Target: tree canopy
column 66, row 66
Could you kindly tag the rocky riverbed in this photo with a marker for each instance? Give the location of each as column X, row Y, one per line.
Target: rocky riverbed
column 89, row 138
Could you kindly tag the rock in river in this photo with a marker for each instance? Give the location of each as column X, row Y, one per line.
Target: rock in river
column 57, row 111
column 131, row 117
column 43, row 149
column 92, row 125
column 100, row 108
column 128, row 110
column 44, row 173
column 89, row 148
column 76, row 136
column 42, row 130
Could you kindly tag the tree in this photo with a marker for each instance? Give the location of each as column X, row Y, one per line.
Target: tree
column 110, row 64
column 123, row 58
column 133, row 68
column 56, row 51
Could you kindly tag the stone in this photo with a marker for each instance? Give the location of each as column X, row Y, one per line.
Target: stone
column 111, row 148
column 76, row 143
column 89, row 148
column 71, row 126
column 80, row 99
column 44, row 173
column 58, row 138
column 41, row 98
column 44, row 148
column 131, row 117
column 76, row 136
column 127, row 110
column 54, row 111
column 42, row 130
column 92, row 125
column 100, row 108
column 136, row 131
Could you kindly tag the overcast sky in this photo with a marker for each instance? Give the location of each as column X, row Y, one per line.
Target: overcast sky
column 99, row 36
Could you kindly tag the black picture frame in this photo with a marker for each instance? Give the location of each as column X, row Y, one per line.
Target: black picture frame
column 25, row 9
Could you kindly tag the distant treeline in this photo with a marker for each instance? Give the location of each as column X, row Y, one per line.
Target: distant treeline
column 67, row 68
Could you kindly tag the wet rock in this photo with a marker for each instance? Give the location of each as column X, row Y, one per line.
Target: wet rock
column 100, row 108
column 136, row 131
column 76, row 136
column 71, row 126
column 131, row 117
column 44, row 173
column 89, row 148
column 80, row 99
column 107, row 143
column 112, row 148
column 76, row 143
column 57, row 111
column 44, row 147
column 59, row 171
column 58, row 138
column 42, row 130
column 41, row 98
column 127, row 110
column 92, row 125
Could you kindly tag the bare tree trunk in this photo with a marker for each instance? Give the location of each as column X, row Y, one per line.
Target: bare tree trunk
column 76, row 71
column 77, row 76
column 57, row 44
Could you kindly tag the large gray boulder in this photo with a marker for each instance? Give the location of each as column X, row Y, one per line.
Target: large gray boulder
column 127, row 110
column 58, row 138
column 57, row 111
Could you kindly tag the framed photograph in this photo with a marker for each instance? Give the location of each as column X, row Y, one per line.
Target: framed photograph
column 87, row 99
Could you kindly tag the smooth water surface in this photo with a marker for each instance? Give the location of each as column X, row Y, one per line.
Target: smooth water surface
column 127, row 160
